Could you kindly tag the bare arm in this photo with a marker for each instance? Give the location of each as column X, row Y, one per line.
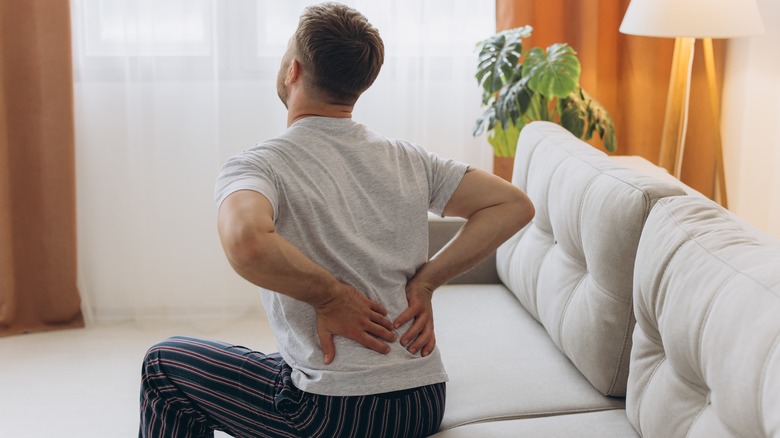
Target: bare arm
column 495, row 210
column 261, row 256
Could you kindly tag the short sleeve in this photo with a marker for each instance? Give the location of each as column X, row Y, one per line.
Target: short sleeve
column 444, row 176
column 247, row 171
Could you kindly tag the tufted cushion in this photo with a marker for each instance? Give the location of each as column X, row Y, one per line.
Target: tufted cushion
column 706, row 355
column 572, row 267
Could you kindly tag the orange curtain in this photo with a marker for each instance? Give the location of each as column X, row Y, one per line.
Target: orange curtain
column 628, row 74
column 37, row 169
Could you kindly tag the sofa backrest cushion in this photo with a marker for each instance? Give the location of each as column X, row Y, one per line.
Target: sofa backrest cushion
column 572, row 267
column 706, row 354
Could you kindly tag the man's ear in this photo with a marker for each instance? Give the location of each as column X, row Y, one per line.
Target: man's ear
column 293, row 72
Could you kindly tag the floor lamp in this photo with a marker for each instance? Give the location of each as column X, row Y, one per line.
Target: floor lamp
column 686, row 20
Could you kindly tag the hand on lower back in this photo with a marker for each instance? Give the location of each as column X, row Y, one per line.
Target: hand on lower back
column 350, row 314
column 420, row 336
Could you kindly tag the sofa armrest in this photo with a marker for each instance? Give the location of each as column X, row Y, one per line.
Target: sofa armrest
column 706, row 353
column 441, row 231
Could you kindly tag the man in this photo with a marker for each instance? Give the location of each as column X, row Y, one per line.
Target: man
column 330, row 220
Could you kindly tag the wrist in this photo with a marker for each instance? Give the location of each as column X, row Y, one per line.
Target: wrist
column 326, row 294
column 423, row 284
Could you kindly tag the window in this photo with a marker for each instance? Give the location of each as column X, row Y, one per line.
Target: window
column 148, row 27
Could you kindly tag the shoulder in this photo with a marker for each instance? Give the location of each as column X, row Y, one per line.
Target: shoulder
column 408, row 148
column 266, row 151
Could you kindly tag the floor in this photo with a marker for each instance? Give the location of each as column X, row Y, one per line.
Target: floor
column 84, row 383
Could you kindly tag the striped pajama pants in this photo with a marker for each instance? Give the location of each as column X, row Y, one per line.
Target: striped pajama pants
column 191, row 387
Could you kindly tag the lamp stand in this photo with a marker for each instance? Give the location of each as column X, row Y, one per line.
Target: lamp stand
column 719, row 185
column 676, row 116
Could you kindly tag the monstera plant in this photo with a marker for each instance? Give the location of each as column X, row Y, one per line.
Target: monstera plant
column 520, row 87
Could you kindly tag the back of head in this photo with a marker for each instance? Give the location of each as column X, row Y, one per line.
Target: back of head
column 341, row 49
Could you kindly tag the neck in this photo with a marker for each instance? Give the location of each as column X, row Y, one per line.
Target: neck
column 295, row 113
column 301, row 104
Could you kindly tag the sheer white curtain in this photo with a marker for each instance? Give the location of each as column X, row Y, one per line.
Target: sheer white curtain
column 167, row 90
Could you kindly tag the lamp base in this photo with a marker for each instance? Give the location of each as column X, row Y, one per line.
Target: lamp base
column 676, row 116
column 719, row 184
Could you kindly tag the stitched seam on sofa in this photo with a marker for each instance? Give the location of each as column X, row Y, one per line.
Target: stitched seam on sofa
column 608, row 293
column 663, row 274
column 643, row 190
column 715, row 299
column 626, row 337
column 762, row 381
column 538, row 277
column 565, row 310
column 741, row 273
column 738, row 271
column 535, row 145
column 644, row 392
column 531, row 156
column 533, row 415
column 747, row 233
column 610, row 173
column 665, row 269
column 577, row 261
column 549, row 190
column 581, row 209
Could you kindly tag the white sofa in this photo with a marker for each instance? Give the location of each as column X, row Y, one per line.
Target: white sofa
column 626, row 308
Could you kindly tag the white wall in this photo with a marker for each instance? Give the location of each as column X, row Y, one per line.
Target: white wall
column 751, row 123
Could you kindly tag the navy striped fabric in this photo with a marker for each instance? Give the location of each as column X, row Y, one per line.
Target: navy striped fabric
column 191, row 387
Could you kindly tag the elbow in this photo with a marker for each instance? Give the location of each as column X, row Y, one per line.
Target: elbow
column 243, row 249
column 243, row 254
column 523, row 210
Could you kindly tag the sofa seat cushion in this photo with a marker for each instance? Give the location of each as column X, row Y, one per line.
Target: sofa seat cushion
column 604, row 424
column 706, row 355
column 572, row 267
column 501, row 362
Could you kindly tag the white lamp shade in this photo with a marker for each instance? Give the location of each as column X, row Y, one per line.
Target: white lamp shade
column 692, row 18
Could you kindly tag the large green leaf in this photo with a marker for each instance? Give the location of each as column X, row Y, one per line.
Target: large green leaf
column 513, row 101
column 583, row 116
column 573, row 119
column 554, row 73
column 486, row 121
column 498, row 57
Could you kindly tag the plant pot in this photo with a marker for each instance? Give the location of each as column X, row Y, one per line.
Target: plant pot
column 502, row 166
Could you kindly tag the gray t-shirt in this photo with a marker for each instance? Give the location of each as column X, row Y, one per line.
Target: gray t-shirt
column 356, row 204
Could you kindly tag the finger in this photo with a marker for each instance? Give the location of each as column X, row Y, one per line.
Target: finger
column 422, row 340
column 373, row 343
column 328, row 347
column 382, row 320
column 378, row 308
column 381, row 332
column 405, row 317
column 414, row 331
column 428, row 349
